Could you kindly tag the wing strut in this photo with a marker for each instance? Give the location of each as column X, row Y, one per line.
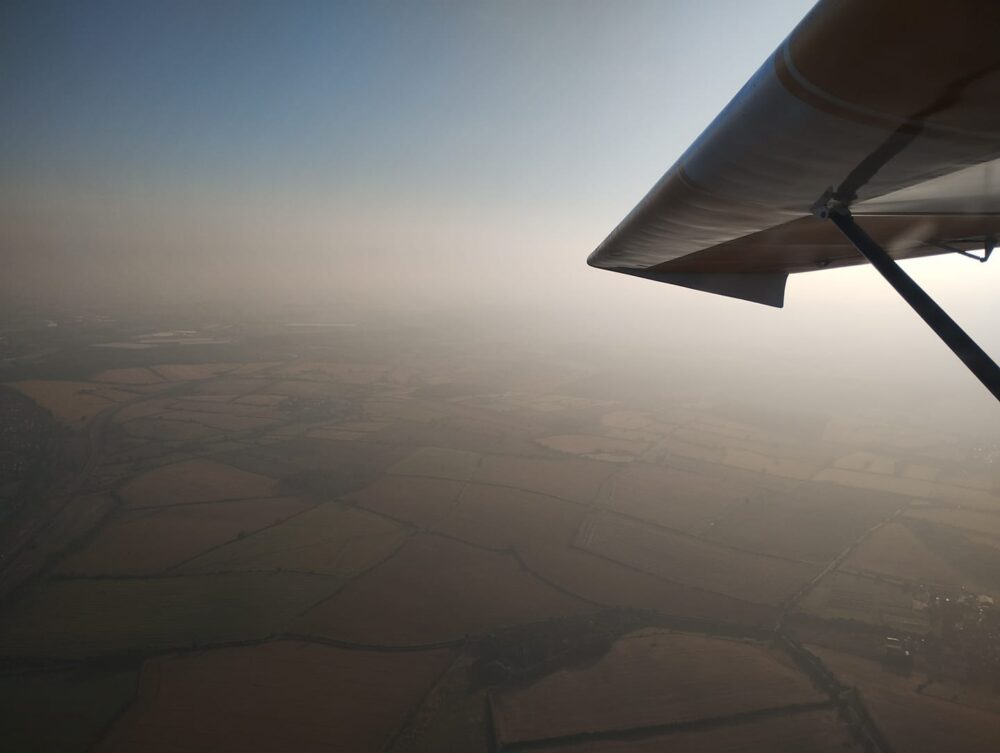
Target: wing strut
column 954, row 337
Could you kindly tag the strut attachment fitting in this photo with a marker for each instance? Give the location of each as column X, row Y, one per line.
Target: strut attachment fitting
column 963, row 346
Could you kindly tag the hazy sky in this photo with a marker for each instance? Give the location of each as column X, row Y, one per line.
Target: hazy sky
column 416, row 151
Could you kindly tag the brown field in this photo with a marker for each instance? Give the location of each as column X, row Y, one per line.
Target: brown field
column 324, row 467
column 339, row 434
column 144, row 409
column 668, row 447
column 596, row 447
column 568, row 478
column 151, row 541
column 846, row 596
column 277, row 696
column 309, row 390
column 894, row 550
column 61, row 710
column 184, row 372
column 770, row 464
column 433, row 590
column 869, row 462
column 406, row 410
column 499, row 517
column 170, row 431
column 911, row 487
column 260, row 400
column 652, row 678
column 765, row 580
column 72, row 403
column 463, row 434
column 801, row 732
column 438, row 462
column 216, row 420
column 136, row 375
column 608, row 583
column 231, row 386
column 804, row 530
column 225, row 407
column 324, row 371
column 81, row 617
column 911, row 721
column 414, row 499
column 329, row 539
column 977, row 522
column 626, row 419
column 673, row 498
column 193, row 481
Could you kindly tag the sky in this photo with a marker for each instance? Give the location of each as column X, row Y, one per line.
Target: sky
column 413, row 154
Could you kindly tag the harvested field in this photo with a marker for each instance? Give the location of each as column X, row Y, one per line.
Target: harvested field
column 226, row 408
column 193, row 481
column 765, row 580
column 405, row 410
column 652, row 678
column 136, row 375
column 600, row 580
column 628, row 419
column 278, row 696
column 72, row 403
column 338, row 434
column 976, row 522
column 801, row 732
column 575, row 480
column 673, row 498
column 910, row 720
column 146, row 408
column 463, row 434
column 911, row 487
column 596, row 447
column 798, row 530
column 304, row 390
column 320, row 466
column 770, row 464
column 669, row 447
column 216, row 420
column 326, row 371
column 438, row 462
column 185, row 372
column 261, row 400
column 61, row 711
column 417, row 500
column 499, row 517
column 80, row 618
column 845, row 596
column 151, row 541
column 330, row 539
column 894, row 550
column 869, row 462
column 231, row 386
column 433, row 590
column 170, row 431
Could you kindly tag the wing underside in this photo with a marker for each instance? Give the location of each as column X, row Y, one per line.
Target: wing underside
column 892, row 107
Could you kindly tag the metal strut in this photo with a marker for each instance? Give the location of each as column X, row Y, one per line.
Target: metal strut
column 954, row 337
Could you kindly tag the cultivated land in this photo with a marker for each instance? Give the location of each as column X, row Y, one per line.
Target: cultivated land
column 253, row 536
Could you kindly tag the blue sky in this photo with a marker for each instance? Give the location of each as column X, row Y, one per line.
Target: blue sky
column 505, row 107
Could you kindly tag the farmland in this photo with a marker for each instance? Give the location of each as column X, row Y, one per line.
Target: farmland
column 353, row 538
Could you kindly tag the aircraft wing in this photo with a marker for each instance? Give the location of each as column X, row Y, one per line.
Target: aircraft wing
column 890, row 107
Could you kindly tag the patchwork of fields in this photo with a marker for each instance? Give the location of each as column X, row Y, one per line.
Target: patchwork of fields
column 331, row 547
